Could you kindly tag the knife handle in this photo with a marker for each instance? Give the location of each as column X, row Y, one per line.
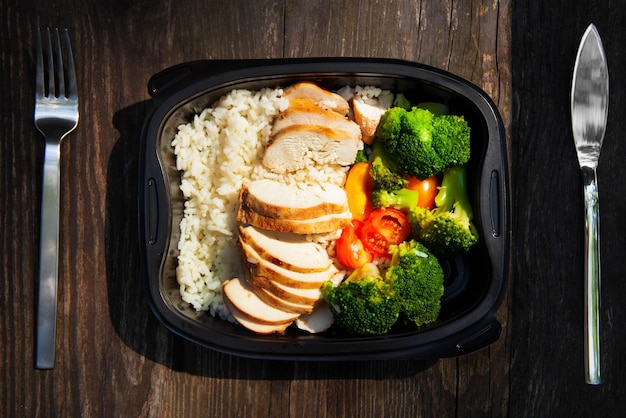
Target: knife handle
column 592, row 277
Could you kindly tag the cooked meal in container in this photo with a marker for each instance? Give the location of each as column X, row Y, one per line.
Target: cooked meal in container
column 313, row 209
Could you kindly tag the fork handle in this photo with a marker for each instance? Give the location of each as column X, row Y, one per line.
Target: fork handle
column 48, row 258
column 592, row 278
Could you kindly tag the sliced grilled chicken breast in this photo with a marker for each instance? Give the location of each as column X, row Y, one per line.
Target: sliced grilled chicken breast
column 289, row 251
column 243, row 298
column 276, row 199
column 321, row 97
column 291, row 278
column 279, row 303
column 299, row 146
column 253, row 325
column 305, row 112
column 320, row 225
column 290, row 294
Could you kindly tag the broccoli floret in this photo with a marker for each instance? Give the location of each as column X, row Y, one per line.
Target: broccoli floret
column 447, row 230
column 361, row 156
column 370, row 270
column 451, row 139
column 363, row 304
column 407, row 136
column 369, row 302
column 389, row 187
column 401, row 101
column 383, row 171
column 421, row 144
column 417, row 279
column 397, row 199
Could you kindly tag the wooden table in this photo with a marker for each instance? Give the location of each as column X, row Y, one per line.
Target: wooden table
column 115, row 359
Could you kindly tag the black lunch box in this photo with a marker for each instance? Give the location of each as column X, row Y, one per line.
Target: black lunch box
column 475, row 283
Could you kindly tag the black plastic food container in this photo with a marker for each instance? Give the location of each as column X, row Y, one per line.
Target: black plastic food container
column 475, row 283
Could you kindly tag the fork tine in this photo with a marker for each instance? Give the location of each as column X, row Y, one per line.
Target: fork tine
column 71, row 72
column 52, row 79
column 49, row 66
column 39, row 76
column 60, row 77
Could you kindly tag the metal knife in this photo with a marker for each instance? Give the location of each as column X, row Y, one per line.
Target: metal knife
column 589, row 107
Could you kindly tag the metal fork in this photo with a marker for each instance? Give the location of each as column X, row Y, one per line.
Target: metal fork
column 56, row 115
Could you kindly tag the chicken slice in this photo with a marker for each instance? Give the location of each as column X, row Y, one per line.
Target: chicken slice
column 290, row 294
column 305, row 112
column 321, row 97
column 319, row 225
column 299, row 146
column 258, row 265
column 288, row 251
column 367, row 114
column 276, row 199
column 279, row 303
column 290, row 278
column 253, row 325
column 243, row 298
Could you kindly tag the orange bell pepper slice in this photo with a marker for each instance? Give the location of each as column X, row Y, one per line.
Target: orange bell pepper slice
column 359, row 186
column 427, row 190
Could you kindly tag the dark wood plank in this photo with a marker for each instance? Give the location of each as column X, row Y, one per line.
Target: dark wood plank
column 547, row 331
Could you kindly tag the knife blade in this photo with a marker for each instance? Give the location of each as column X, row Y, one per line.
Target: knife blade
column 589, row 111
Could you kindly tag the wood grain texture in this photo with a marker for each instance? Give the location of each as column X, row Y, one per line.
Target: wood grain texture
column 547, row 300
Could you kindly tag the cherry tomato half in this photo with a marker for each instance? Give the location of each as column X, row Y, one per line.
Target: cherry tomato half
column 383, row 228
column 427, row 190
column 349, row 248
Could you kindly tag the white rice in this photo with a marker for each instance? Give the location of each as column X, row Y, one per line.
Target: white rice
column 217, row 152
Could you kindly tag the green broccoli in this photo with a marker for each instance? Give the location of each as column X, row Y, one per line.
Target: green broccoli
column 369, row 302
column 397, row 199
column 446, row 230
column 364, row 303
column 417, row 279
column 451, row 139
column 383, row 171
column 361, row 156
column 401, row 101
column 421, row 144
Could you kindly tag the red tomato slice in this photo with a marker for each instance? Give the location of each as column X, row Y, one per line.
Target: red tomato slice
column 383, row 228
column 427, row 190
column 349, row 248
